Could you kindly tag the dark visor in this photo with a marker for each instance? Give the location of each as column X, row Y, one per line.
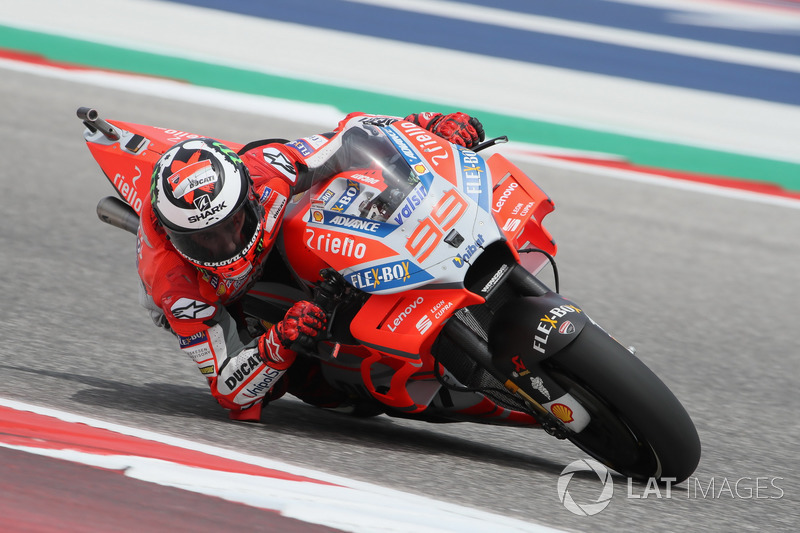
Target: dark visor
column 221, row 242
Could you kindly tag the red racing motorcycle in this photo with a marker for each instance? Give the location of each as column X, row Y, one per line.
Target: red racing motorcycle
column 425, row 255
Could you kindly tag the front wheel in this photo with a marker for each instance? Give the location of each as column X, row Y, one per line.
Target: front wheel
column 638, row 427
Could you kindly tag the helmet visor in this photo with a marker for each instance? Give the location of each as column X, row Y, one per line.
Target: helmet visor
column 221, row 243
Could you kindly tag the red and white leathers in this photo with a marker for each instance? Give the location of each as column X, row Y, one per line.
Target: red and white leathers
column 198, row 304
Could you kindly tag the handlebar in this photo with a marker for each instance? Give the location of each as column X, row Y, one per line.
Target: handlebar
column 91, row 119
column 328, row 293
column 491, row 142
column 328, row 296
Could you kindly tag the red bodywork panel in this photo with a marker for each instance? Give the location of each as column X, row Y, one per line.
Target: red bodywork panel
column 125, row 163
column 396, row 330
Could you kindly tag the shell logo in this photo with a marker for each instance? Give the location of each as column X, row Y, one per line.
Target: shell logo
column 420, row 169
column 563, row 412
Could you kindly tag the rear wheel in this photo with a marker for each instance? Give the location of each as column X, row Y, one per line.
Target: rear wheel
column 638, row 427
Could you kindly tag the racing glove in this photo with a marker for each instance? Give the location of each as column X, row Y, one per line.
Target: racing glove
column 304, row 319
column 458, row 128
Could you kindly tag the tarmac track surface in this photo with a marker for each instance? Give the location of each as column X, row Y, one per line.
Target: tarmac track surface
column 705, row 287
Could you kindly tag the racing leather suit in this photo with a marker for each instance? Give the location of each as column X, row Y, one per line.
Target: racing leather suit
column 199, row 307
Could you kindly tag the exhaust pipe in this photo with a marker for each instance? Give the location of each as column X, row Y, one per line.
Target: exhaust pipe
column 114, row 211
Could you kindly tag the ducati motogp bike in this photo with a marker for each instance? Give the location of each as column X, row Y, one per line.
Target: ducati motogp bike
column 425, row 256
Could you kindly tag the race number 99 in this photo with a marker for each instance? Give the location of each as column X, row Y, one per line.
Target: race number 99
column 444, row 215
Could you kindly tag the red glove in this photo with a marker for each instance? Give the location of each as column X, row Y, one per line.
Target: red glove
column 458, row 128
column 304, row 318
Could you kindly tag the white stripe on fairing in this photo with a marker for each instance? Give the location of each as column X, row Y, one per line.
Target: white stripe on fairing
column 593, row 32
column 351, row 506
column 508, row 87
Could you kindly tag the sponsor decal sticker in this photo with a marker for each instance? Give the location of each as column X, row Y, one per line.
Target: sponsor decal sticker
column 129, row 192
column 326, row 196
column 461, row 259
column 193, row 340
column 264, row 195
column 550, row 321
column 401, row 144
column 260, row 388
column 381, row 122
column 519, row 366
column 500, row 202
column 398, row 320
column 274, row 211
column 424, row 324
column 512, row 224
column 363, row 178
column 361, row 225
column 474, row 177
column 494, row 279
column 344, row 201
column 201, row 354
column 343, row 245
column 562, row 412
column 426, row 142
column 387, row 276
column 538, row 384
column 278, row 159
column 412, row 201
column 250, row 364
column 186, row 308
column 303, row 147
column 203, row 204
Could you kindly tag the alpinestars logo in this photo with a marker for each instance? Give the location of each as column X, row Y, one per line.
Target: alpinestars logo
column 273, row 347
column 191, row 309
column 279, row 161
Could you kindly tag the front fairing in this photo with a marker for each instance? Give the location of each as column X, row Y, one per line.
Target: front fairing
column 407, row 209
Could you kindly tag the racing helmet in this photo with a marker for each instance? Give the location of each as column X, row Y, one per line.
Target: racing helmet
column 203, row 197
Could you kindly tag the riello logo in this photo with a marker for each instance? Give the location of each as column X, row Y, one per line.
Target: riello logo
column 344, row 246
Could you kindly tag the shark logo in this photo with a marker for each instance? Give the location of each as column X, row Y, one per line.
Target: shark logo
column 202, row 203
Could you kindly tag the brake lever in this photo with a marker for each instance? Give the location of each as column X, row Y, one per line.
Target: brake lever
column 490, row 143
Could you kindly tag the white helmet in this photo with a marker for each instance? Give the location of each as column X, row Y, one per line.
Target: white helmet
column 203, row 196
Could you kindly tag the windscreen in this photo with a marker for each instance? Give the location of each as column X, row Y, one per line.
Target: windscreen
column 371, row 150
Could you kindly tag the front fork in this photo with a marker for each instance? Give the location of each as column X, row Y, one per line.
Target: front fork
column 525, row 333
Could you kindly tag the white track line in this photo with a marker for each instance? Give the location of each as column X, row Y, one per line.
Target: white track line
column 345, row 504
column 594, row 32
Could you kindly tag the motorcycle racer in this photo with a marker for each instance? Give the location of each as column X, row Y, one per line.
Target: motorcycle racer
column 205, row 237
